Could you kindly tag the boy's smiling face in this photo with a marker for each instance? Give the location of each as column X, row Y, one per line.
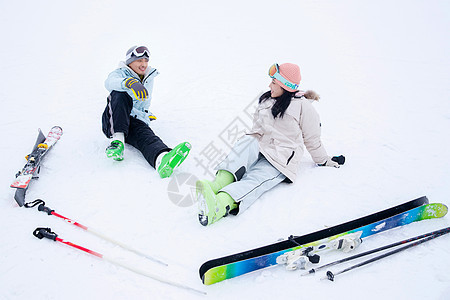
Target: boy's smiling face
column 139, row 66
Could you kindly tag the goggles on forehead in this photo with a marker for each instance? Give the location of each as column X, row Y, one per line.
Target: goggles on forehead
column 274, row 72
column 141, row 51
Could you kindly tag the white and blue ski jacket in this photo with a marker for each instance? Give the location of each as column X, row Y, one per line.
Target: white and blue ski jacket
column 115, row 82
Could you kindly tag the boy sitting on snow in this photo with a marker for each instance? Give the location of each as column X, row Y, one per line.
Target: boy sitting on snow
column 126, row 118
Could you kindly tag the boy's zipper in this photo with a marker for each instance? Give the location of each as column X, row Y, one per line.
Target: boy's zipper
column 148, row 75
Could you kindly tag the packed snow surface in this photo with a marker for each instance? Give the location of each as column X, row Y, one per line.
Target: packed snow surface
column 381, row 67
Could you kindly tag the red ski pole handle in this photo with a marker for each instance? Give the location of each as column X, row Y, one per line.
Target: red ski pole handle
column 50, row 211
column 42, row 232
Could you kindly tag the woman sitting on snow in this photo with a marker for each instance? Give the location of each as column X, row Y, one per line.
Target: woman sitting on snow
column 284, row 122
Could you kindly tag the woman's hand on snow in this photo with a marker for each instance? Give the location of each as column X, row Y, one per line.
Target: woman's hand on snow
column 335, row 161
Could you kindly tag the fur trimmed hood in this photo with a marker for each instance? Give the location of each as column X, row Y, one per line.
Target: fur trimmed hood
column 309, row 94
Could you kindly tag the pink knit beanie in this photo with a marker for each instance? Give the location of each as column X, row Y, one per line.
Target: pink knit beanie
column 290, row 72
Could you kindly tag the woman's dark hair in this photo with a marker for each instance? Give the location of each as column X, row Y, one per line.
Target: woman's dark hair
column 281, row 103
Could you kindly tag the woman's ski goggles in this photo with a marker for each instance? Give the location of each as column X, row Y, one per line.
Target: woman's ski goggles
column 139, row 52
column 274, row 72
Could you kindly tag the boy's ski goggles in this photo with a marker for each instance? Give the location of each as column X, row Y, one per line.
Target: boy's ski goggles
column 274, row 72
column 139, row 51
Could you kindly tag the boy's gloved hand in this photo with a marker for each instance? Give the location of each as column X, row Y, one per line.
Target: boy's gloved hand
column 139, row 91
column 334, row 161
column 151, row 117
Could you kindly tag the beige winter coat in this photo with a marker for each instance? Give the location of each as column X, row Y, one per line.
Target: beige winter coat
column 281, row 140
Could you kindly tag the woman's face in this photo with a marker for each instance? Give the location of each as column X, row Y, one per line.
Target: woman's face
column 275, row 89
column 139, row 66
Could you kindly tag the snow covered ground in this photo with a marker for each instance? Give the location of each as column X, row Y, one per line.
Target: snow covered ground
column 381, row 68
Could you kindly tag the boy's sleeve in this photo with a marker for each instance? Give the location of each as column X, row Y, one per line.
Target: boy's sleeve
column 114, row 82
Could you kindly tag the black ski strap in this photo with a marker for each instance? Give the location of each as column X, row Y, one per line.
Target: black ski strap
column 292, row 239
column 42, row 232
column 41, row 206
column 34, row 203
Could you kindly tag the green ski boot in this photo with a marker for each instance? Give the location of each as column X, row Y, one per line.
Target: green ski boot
column 173, row 159
column 115, row 150
column 212, row 207
column 222, row 179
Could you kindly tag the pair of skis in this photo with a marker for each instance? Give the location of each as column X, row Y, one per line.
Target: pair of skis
column 32, row 167
column 295, row 250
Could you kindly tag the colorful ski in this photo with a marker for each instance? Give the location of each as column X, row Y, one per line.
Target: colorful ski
column 31, row 169
column 238, row 264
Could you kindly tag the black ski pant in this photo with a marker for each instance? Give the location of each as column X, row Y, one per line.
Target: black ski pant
column 116, row 118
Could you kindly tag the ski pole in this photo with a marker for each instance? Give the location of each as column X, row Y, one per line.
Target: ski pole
column 50, row 211
column 331, row 275
column 41, row 233
column 441, row 231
